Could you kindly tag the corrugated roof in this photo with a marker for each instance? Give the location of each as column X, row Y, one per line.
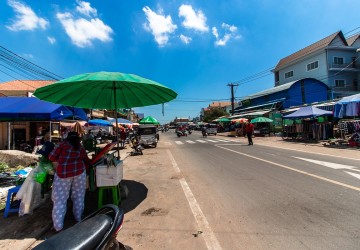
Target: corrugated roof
column 272, row 90
column 310, row 49
column 352, row 39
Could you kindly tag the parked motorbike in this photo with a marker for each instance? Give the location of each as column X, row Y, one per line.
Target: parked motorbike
column 137, row 147
column 96, row 231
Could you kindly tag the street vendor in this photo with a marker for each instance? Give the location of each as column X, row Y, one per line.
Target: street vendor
column 70, row 175
column 47, row 146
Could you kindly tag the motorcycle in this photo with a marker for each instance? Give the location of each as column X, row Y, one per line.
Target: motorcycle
column 180, row 133
column 137, row 147
column 204, row 133
column 96, row 231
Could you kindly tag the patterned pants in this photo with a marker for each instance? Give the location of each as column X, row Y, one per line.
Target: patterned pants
column 60, row 195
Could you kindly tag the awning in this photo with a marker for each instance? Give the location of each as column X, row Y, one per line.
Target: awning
column 265, row 104
column 252, row 113
column 31, row 109
column 307, row 112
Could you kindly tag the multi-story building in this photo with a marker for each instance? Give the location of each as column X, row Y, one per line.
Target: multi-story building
column 333, row 60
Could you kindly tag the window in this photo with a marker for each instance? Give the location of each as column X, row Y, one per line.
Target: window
column 313, row 65
column 338, row 60
column 340, row 83
column 289, row 74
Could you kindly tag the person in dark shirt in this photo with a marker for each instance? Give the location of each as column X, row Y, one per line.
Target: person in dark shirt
column 47, row 146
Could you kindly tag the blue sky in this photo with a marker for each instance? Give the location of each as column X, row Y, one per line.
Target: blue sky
column 193, row 47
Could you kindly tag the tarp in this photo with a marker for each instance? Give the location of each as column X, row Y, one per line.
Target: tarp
column 349, row 99
column 307, row 112
column 348, row 106
column 31, row 109
column 99, row 122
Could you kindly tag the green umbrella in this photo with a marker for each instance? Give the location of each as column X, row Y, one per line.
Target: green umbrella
column 149, row 120
column 223, row 119
column 261, row 119
column 106, row 90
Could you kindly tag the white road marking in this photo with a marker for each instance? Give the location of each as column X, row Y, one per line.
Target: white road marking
column 295, row 170
column 179, row 142
column 353, row 174
column 211, row 140
column 201, row 141
column 304, row 151
column 222, row 140
column 208, row 234
column 191, row 142
column 328, row 164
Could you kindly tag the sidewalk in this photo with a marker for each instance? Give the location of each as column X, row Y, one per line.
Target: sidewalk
column 311, row 147
column 23, row 232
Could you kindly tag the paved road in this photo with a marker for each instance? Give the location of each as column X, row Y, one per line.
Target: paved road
column 261, row 197
column 218, row 193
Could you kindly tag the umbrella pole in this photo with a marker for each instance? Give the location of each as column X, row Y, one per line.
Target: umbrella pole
column 116, row 121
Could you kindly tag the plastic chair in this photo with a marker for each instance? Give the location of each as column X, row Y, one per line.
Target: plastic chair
column 10, row 207
column 116, row 197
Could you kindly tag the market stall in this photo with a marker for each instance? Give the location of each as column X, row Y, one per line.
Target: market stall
column 306, row 124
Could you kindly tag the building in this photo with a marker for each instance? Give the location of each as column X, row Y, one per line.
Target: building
column 226, row 106
column 333, row 60
column 22, row 87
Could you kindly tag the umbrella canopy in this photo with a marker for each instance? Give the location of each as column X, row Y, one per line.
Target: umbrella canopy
column 261, row 119
column 31, row 109
column 223, row 119
column 106, row 90
column 121, row 121
column 308, row 112
column 78, row 128
column 99, row 122
column 240, row 120
column 149, row 120
column 349, row 99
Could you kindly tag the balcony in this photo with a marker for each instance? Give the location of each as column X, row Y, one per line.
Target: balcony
column 345, row 66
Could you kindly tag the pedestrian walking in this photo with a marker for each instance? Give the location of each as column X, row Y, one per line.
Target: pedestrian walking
column 249, row 130
column 70, row 176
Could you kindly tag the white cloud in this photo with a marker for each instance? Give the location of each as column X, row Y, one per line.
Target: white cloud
column 85, row 9
column 82, row 31
column 193, row 20
column 185, row 39
column 160, row 26
column 51, row 40
column 230, row 33
column 25, row 18
column 215, row 32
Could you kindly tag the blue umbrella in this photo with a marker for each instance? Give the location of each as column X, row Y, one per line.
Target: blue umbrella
column 121, row 121
column 99, row 122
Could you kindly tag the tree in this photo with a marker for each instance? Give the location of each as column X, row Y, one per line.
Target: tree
column 213, row 114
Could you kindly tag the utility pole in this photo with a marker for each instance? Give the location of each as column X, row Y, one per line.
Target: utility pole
column 232, row 85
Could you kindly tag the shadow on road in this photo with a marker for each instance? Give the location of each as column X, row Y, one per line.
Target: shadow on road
column 136, row 193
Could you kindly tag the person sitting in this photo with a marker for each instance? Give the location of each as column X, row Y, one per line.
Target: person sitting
column 47, row 146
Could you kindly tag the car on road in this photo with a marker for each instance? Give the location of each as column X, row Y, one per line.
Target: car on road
column 211, row 128
column 148, row 134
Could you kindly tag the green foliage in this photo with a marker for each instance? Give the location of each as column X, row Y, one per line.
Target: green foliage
column 213, row 114
column 3, row 167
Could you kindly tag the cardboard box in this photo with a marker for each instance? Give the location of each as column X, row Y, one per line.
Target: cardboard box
column 109, row 176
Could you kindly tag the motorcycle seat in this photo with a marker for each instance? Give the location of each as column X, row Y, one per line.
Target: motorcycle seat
column 84, row 235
